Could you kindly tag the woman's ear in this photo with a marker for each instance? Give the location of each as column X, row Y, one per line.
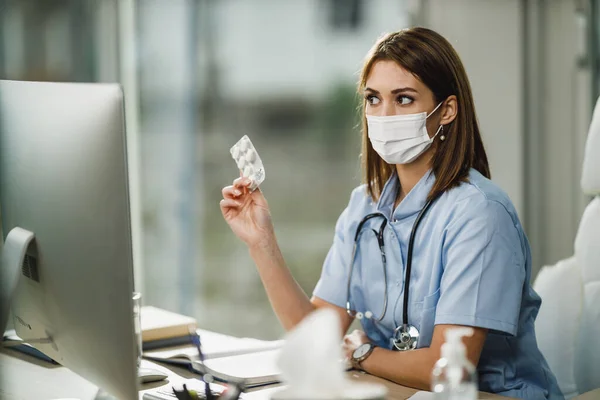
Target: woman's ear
column 449, row 110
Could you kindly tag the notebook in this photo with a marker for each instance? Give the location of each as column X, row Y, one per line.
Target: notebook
column 214, row 345
column 252, row 369
column 227, row 358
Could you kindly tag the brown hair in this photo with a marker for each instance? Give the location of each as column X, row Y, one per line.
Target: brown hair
column 433, row 60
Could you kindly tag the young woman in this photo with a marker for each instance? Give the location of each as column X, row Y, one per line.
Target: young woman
column 426, row 244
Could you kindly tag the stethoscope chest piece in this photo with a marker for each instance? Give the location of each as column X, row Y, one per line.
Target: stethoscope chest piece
column 406, row 337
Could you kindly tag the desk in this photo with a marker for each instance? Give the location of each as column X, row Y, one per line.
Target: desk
column 400, row 392
column 23, row 377
column 591, row 395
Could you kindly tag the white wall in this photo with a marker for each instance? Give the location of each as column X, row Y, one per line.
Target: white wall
column 535, row 148
column 566, row 101
column 487, row 36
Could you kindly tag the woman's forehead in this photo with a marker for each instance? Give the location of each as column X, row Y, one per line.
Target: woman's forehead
column 387, row 75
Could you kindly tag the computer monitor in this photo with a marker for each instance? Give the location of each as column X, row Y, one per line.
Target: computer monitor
column 67, row 265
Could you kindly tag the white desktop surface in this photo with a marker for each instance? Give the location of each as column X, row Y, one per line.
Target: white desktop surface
column 23, row 377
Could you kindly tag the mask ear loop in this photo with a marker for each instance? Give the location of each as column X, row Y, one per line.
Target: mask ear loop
column 434, row 110
column 441, row 128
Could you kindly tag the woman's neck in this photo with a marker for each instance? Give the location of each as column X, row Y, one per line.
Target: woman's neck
column 410, row 174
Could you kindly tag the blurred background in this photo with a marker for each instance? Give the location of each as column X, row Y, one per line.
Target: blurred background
column 199, row 74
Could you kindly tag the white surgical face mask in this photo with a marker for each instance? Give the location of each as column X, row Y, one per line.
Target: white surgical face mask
column 400, row 139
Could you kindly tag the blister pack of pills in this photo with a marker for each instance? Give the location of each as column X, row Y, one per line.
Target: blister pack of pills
column 248, row 161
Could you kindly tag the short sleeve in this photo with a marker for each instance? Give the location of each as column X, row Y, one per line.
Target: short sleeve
column 332, row 286
column 484, row 269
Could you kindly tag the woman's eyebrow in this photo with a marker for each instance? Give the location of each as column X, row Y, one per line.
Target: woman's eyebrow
column 404, row 89
column 398, row 90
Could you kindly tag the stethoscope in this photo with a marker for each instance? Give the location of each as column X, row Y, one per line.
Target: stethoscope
column 406, row 336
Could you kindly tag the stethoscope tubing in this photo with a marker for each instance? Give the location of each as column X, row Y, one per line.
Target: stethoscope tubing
column 381, row 244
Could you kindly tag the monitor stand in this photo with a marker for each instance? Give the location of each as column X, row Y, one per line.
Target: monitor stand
column 13, row 255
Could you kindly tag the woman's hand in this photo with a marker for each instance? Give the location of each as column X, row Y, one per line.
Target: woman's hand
column 353, row 341
column 247, row 213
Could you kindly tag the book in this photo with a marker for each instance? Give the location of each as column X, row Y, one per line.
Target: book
column 162, row 325
column 251, row 362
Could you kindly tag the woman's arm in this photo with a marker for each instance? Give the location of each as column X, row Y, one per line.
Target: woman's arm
column 287, row 298
column 413, row 368
column 248, row 215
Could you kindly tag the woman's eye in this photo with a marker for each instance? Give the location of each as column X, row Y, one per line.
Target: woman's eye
column 404, row 100
column 372, row 100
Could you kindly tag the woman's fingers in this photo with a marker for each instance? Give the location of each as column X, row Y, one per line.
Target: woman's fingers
column 230, row 192
column 229, row 203
column 241, row 183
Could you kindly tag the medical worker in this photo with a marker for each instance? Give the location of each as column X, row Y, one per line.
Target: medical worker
column 470, row 263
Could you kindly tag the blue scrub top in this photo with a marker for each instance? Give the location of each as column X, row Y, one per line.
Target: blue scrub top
column 471, row 266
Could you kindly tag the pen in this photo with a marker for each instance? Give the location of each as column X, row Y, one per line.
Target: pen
column 207, row 378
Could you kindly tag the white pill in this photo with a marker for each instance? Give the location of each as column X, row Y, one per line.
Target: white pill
column 248, row 171
column 359, row 315
column 368, row 314
column 236, row 152
column 250, row 155
column 241, row 162
column 244, row 145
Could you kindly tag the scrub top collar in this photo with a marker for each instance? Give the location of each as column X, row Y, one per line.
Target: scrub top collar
column 412, row 204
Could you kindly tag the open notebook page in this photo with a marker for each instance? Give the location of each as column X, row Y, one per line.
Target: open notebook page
column 214, row 345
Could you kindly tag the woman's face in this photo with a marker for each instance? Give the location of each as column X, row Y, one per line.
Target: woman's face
column 392, row 90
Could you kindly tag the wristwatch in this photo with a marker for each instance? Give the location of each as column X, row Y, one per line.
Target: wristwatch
column 360, row 354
